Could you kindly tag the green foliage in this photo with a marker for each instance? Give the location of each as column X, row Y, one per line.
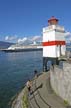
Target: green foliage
column 66, row 102
column 25, row 101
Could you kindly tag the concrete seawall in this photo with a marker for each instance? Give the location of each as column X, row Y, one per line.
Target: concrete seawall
column 61, row 81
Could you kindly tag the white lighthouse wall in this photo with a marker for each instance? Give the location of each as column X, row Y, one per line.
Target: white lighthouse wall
column 58, row 51
column 48, row 36
column 49, row 51
column 63, row 49
column 53, row 51
column 59, row 36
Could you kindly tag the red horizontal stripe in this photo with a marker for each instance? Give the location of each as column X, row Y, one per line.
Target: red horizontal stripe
column 51, row 43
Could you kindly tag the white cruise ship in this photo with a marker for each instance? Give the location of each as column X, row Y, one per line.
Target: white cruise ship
column 20, row 48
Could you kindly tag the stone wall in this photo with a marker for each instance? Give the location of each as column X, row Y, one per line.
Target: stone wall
column 61, row 81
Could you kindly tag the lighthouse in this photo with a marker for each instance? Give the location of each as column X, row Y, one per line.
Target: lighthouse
column 53, row 42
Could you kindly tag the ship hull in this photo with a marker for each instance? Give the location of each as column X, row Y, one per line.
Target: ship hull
column 22, row 50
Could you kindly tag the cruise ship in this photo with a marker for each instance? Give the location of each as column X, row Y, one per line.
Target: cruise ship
column 21, row 48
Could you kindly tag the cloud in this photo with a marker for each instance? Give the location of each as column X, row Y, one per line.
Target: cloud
column 68, row 34
column 36, row 39
column 10, row 38
column 29, row 40
column 68, row 37
column 22, row 40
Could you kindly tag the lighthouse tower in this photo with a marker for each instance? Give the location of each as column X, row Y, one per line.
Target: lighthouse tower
column 53, row 42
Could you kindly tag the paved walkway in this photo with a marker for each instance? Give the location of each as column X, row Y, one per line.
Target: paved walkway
column 43, row 96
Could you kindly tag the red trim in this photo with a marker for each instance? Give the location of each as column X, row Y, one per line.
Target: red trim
column 51, row 43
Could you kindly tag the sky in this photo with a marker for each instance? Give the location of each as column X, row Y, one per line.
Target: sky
column 23, row 19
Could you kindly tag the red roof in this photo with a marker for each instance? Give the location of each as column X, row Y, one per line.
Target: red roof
column 53, row 19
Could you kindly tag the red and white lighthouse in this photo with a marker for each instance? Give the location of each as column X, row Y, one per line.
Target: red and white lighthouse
column 53, row 41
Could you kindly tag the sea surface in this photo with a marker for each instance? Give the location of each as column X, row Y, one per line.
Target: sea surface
column 15, row 70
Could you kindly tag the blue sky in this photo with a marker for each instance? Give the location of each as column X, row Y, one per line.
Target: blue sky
column 26, row 18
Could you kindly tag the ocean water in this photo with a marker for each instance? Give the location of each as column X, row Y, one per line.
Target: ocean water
column 15, row 70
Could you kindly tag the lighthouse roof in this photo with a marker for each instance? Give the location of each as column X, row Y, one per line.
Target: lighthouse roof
column 53, row 20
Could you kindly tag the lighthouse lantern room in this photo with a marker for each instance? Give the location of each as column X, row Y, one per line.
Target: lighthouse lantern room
column 53, row 42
